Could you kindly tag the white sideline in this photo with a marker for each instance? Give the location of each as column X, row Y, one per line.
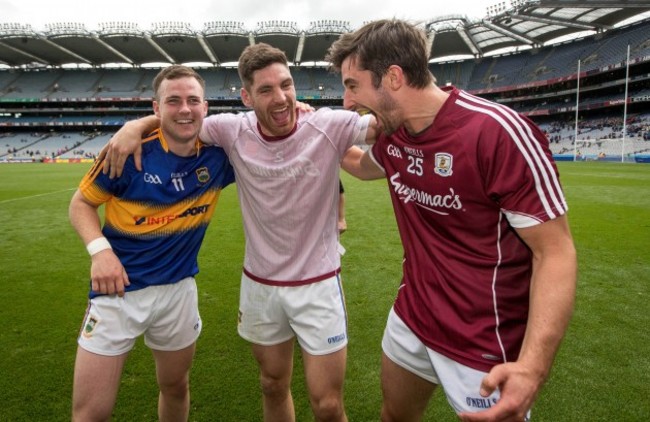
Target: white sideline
column 35, row 196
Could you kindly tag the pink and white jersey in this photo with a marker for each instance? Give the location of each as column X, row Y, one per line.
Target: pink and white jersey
column 458, row 189
column 288, row 190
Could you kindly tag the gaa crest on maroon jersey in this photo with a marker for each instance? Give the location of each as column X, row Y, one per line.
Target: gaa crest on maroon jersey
column 443, row 163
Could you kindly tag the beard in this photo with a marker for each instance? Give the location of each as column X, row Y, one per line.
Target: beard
column 386, row 112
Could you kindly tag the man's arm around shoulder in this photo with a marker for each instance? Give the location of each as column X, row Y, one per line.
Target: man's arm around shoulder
column 125, row 142
column 359, row 164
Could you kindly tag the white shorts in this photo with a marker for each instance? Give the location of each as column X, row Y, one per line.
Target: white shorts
column 167, row 315
column 314, row 313
column 460, row 383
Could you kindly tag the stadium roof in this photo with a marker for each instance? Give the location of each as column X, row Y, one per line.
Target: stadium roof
column 521, row 25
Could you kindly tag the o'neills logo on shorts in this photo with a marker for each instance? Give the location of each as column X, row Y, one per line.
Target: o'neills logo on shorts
column 336, row 339
column 481, row 402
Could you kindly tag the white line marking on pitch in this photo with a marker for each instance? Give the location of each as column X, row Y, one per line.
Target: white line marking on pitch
column 35, row 196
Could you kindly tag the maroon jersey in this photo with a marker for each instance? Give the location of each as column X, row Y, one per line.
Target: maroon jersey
column 458, row 189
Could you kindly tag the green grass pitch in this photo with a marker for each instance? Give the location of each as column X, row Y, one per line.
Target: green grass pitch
column 602, row 371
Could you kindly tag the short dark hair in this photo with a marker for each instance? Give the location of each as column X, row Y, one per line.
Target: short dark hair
column 176, row 71
column 256, row 57
column 380, row 44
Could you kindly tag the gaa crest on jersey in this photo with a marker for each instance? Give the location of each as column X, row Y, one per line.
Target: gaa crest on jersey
column 443, row 164
column 203, row 174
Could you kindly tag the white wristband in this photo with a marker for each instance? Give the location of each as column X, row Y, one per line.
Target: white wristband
column 98, row 245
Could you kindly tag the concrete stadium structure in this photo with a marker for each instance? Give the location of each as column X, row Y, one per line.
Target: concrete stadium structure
column 78, row 85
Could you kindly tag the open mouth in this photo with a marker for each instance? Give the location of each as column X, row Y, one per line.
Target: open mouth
column 281, row 117
column 363, row 111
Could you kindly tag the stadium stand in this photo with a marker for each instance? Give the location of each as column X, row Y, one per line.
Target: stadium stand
column 48, row 110
column 75, row 84
column 35, row 84
column 88, row 145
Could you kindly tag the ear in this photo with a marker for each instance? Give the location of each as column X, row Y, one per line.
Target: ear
column 245, row 98
column 395, row 77
column 205, row 108
column 156, row 108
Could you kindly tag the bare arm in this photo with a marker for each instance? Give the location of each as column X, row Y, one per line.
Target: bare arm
column 106, row 271
column 125, row 142
column 552, row 297
column 359, row 164
column 342, row 223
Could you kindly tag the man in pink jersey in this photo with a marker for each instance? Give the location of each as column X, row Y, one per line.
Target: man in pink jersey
column 489, row 263
column 287, row 167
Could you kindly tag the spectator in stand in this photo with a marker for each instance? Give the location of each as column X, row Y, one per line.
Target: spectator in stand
column 489, row 263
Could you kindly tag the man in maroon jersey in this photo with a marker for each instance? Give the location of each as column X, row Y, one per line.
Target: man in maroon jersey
column 489, row 263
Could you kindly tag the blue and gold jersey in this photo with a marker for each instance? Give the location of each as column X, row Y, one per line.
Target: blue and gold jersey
column 155, row 219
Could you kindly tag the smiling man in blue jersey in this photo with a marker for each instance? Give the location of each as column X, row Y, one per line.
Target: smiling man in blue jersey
column 144, row 258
